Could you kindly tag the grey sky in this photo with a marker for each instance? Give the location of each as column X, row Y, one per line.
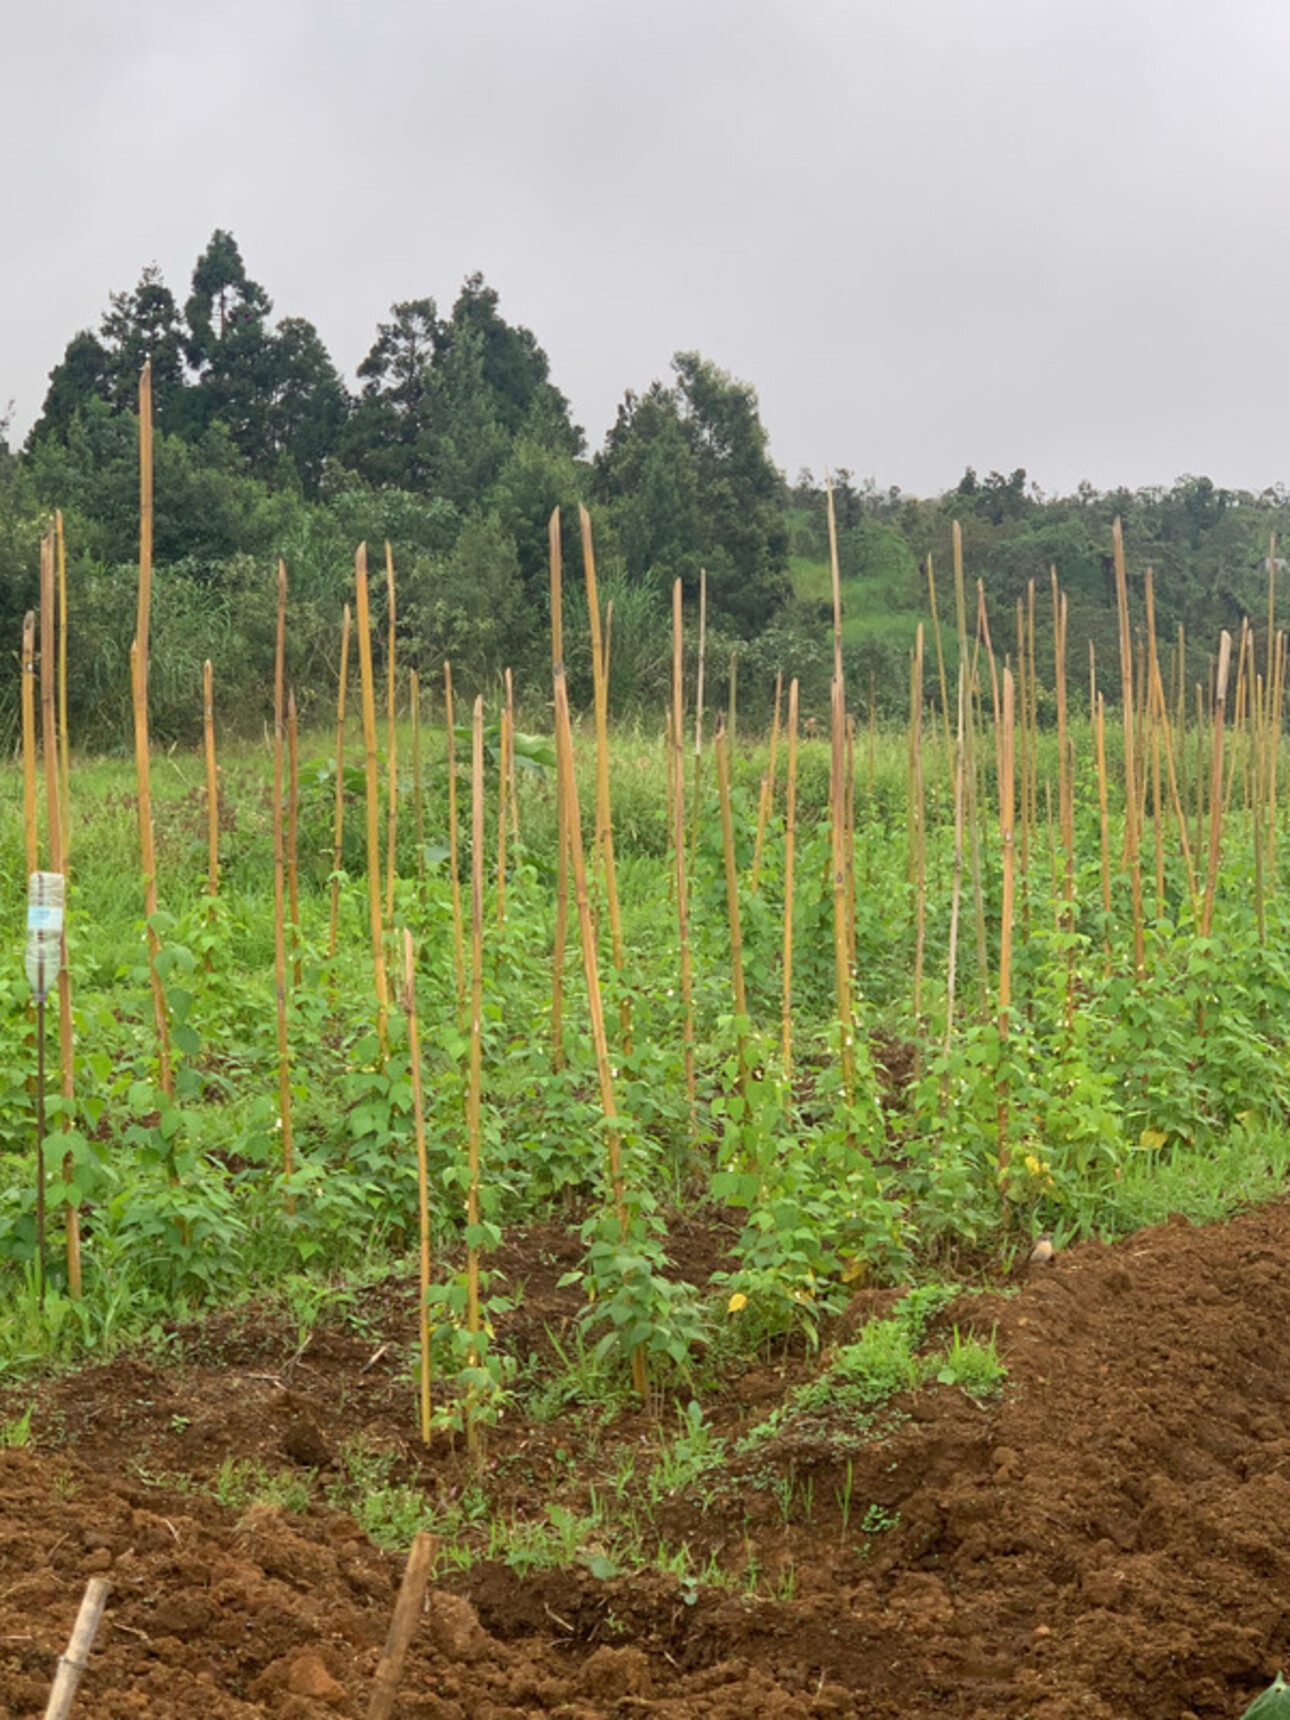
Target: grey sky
column 932, row 233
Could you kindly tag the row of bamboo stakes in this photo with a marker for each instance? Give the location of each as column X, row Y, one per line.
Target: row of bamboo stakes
column 1148, row 736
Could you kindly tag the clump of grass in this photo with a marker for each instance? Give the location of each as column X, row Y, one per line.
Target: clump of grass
column 241, row 1482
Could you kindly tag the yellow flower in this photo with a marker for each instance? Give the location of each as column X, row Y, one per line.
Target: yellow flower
column 736, row 1302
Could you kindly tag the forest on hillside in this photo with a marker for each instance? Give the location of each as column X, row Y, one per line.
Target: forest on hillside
column 456, row 447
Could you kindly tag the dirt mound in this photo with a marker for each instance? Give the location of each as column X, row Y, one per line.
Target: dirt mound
column 1110, row 1538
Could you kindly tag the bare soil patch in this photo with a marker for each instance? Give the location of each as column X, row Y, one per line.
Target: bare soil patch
column 1110, row 1538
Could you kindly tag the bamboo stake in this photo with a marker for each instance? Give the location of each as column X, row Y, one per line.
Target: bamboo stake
column 76, row 1660
column 1272, row 605
column 698, row 713
column 474, row 1124
column 956, row 888
column 212, row 780
column 1274, row 749
column 677, row 811
column 766, row 799
column 407, row 1611
column 1022, row 698
column 418, row 796
column 458, row 930
column 29, row 742
column 279, row 890
column 1216, row 783
column 293, row 819
column 1256, row 822
column 604, row 814
column 1132, row 863
column 423, row 1179
column 145, row 525
column 58, row 863
column 940, row 665
column 373, row 797
column 970, row 803
column 338, row 826
column 143, row 768
column 732, row 715
column 917, row 829
column 1199, row 767
column 561, row 804
column 790, row 840
column 849, row 841
column 1006, row 799
column 391, row 748
column 510, row 773
column 732, row 907
column 838, row 859
column 1105, row 825
column 873, row 725
column 64, row 759
column 590, row 966
column 1032, row 683
column 1153, row 723
column 1162, row 718
column 503, row 775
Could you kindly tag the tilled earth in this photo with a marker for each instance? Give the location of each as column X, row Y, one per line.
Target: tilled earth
column 1110, row 1537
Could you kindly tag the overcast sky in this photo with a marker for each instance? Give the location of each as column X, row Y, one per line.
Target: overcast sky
column 932, row 233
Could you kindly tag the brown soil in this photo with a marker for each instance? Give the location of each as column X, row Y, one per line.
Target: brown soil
column 1110, row 1538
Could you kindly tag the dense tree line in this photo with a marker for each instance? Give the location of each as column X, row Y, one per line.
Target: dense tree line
column 455, row 447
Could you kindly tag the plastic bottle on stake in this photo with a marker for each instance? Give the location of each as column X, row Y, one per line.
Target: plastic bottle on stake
column 45, row 893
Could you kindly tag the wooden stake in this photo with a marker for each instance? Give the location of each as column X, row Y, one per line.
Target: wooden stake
column 338, row 826
column 373, row 798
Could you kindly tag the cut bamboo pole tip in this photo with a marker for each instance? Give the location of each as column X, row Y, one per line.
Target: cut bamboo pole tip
column 407, row 1610
column 75, row 1661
